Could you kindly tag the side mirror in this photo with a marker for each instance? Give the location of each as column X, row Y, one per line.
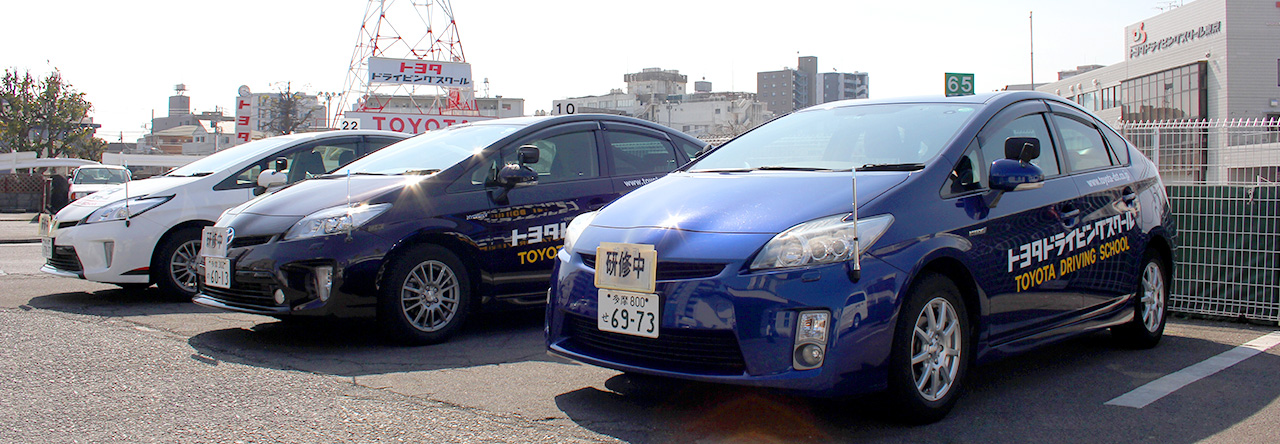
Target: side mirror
column 527, row 154
column 1013, row 175
column 272, row 178
column 1022, row 149
column 513, row 175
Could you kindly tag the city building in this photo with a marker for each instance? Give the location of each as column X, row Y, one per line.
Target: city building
column 789, row 89
column 661, row 96
column 844, row 85
column 1208, row 59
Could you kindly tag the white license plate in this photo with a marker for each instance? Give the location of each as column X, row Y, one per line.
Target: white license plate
column 46, row 247
column 214, row 241
column 217, row 272
column 46, row 225
column 626, row 267
column 628, row 313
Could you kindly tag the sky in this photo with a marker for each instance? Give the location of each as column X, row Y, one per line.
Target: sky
column 127, row 55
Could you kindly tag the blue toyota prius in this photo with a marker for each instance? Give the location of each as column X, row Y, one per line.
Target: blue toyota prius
column 873, row 245
column 426, row 231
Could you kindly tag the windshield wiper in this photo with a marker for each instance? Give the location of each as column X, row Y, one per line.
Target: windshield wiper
column 200, row 174
column 422, row 172
column 892, row 167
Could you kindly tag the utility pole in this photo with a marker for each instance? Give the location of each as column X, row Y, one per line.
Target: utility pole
column 1031, row 23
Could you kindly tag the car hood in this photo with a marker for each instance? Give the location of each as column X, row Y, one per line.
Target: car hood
column 160, row 186
column 309, row 196
column 755, row 202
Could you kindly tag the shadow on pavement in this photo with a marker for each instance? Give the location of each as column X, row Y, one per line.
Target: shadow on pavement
column 117, row 302
column 1052, row 395
column 355, row 348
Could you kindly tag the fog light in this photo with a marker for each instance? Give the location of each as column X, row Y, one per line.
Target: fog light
column 810, row 339
column 108, row 250
column 809, row 356
column 279, row 297
column 324, row 282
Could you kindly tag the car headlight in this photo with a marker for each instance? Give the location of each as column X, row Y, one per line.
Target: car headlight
column 576, row 227
column 820, row 241
column 334, row 220
column 127, row 208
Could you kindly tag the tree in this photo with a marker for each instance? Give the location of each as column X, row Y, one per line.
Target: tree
column 289, row 111
column 46, row 116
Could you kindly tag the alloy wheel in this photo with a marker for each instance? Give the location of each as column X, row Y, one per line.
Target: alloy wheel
column 936, row 344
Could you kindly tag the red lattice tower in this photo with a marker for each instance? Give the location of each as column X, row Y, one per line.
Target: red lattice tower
column 405, row 29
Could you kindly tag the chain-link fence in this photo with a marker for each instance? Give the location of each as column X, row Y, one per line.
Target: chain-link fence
column 1223, row 189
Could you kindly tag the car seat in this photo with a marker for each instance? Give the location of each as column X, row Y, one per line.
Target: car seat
column 306, row 165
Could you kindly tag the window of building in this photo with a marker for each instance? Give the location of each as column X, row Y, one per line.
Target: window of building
column 1174, row 94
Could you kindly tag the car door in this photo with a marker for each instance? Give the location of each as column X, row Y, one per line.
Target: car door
column 637, row 155
column 521, row 232
column 1015, row 245
column 1104, row 216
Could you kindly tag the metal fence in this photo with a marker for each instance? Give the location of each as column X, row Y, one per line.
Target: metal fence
column 1225, row 196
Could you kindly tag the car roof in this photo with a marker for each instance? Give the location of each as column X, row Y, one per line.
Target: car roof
column 997, row 98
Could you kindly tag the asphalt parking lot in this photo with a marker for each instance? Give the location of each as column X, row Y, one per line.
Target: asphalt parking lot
column 91, row 362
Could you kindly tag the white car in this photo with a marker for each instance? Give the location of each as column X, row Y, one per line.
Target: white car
column 148, row 231
column 90, row 179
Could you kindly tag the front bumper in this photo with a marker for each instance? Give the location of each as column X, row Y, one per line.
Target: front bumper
column 108, row 252
column 735, row 327
column 263, row 273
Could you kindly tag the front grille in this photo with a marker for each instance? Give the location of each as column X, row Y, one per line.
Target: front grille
column 670, row 270
column 257, row 294
column 65, row 259
column 713, row 352
column 249, row 241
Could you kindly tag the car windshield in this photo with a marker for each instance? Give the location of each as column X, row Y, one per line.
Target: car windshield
column 99, row 176
column 434, row 151
column 886, row 137
column 230, row 157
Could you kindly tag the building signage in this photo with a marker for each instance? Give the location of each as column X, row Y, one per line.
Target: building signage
column 244, row 115
column 1140, row 45
column 420, row 72
column 408, row 123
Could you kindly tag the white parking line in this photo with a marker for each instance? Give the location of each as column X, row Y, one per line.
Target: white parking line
column 1154, row 390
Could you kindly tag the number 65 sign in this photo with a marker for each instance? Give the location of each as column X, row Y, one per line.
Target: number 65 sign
column 959, row 84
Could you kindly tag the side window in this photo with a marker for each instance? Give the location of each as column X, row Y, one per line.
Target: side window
column 1119, row 148
column 639, row 154
column 303, row 162
column 968, row 175
column 690, row 149
column 1031, row 125
column 1082, row 144
column 562, row 158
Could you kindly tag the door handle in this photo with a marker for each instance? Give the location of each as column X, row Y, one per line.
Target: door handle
column 595, row 205
column 1128, row 195
column 1071, row 212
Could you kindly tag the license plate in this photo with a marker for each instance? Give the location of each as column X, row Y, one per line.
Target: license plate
column 46, row 247
column 626, row 267
column 46, row 225
column 214, row 241
column 628, row 313
column 217, row 272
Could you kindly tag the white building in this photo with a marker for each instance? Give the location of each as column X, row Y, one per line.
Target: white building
column 1209, row 59
column 659, row 96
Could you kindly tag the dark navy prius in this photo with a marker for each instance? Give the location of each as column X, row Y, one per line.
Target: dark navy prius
column 982, row 226
column 424, row 231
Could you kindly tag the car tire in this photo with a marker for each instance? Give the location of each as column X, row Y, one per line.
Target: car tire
column 425, row 297
column 931, row 350
column 174, row 266
column 1150, row 306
